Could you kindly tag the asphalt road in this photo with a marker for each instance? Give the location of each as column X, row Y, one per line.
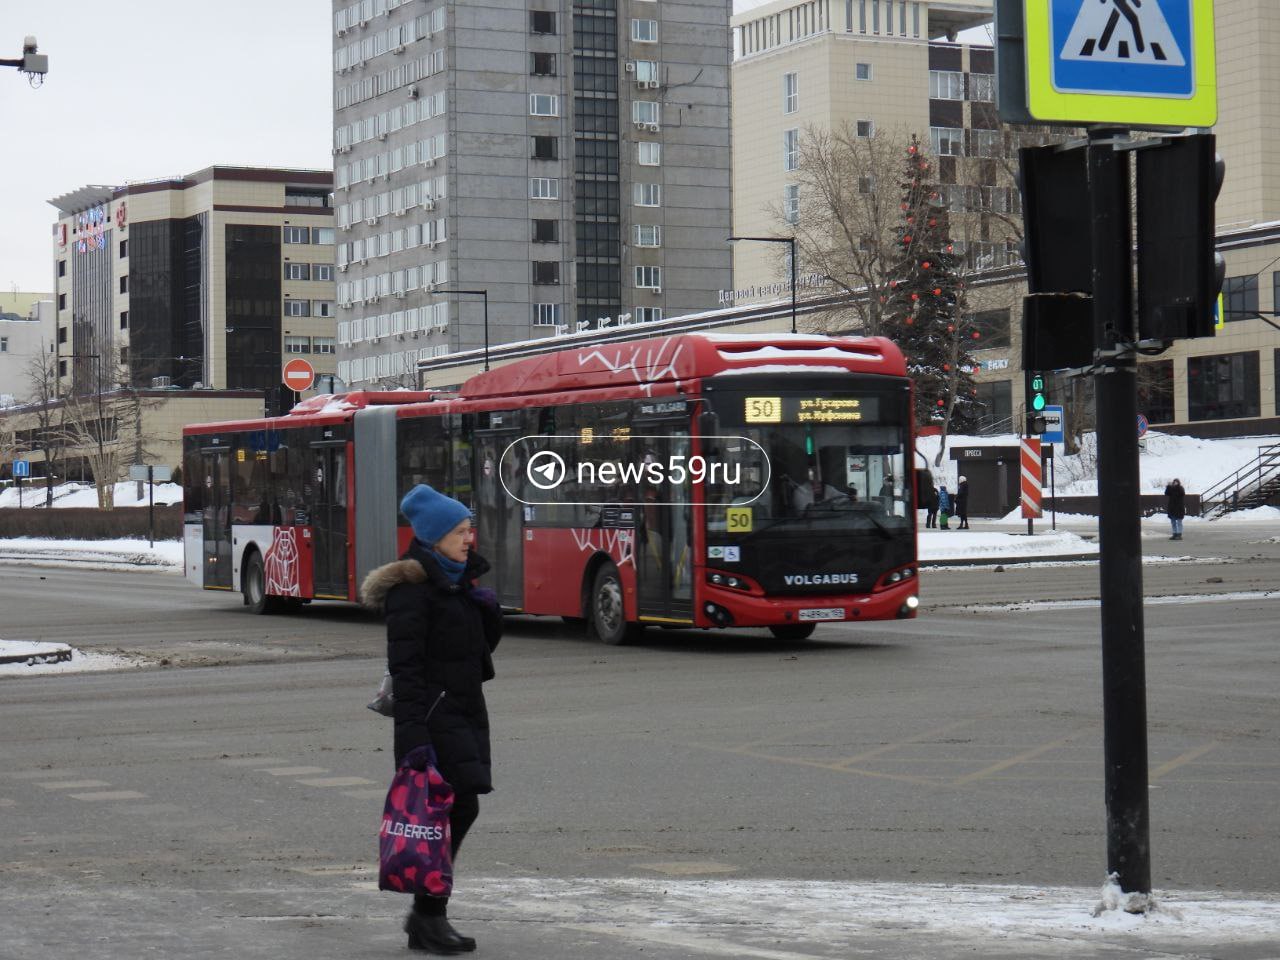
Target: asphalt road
column 225, row 803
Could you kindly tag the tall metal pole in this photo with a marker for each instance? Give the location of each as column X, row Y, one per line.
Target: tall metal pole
column 792, row 241
column 1124, row 700
column 486, row 328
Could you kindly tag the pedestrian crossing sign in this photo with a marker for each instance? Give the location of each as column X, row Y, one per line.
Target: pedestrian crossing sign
column 1133, row 63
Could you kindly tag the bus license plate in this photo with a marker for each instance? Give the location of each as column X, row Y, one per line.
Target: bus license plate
column 822, row 613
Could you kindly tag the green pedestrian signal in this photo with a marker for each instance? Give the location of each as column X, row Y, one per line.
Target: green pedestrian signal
column 1038, row 397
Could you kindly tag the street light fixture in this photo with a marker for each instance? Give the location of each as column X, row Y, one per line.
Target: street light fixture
column 791, row 241
column 485, row 294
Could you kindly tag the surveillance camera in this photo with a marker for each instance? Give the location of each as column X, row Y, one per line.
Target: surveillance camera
column 29, row 45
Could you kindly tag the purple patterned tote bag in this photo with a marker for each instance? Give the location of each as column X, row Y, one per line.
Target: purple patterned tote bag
column 414, row 843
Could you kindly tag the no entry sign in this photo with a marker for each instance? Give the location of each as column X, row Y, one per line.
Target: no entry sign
column 299, row 375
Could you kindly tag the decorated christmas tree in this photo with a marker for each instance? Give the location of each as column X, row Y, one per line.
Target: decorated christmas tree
column 924, row 304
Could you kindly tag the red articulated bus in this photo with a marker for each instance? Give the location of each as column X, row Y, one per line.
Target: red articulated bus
column 695, row 480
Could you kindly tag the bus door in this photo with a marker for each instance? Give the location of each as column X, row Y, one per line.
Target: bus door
column 328, row 482
column 664, row 550
column 499, row 516
column 217, row 517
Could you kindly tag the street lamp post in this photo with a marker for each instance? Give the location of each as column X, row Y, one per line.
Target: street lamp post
column 485, row 294
column 791, row 241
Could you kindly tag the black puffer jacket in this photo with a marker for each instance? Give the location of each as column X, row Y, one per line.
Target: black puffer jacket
column 439, row 638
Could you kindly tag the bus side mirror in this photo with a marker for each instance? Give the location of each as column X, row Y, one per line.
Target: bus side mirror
column 708, row 424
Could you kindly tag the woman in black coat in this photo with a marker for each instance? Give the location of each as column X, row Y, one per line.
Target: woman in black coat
column 1176, row 507
column 441, row 633
column 962, row 503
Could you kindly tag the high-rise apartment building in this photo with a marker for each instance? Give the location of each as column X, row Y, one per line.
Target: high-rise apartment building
column 569, row 159
column 211, row 279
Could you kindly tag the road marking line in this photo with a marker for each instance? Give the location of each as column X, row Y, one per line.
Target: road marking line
column 903, row 777
column 252, row 761
column 337, row 782
column 379, row 794
column 294, row 771
column 1017, row 759
column 886, row 748
column 688, row 941
column 73, row 784
column 109, row 795
column 1178, row 761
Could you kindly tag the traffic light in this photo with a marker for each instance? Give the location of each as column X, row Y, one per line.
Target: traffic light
column 1180, row 272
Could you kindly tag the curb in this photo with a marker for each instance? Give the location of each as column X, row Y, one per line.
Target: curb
column 56, row 653
column 1007, row 561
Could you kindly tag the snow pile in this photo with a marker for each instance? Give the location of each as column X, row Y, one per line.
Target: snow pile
column 1199, row 464
column 965, row 544
column 85, row 495
column 36, row 656
column 94, row 554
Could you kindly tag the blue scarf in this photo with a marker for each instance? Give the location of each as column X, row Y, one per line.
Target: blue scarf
column 452, row 568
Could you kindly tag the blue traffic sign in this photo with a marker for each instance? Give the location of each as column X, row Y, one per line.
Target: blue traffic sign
column 1142, row 426
column 1053, row 423
column 1142, row 63
column 21, row 468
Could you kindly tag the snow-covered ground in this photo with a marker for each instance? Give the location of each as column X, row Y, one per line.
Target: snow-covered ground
column 22, row 658
column 94, row 554
column 84, row 494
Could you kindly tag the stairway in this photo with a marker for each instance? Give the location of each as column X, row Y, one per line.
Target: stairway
column 1253, row 485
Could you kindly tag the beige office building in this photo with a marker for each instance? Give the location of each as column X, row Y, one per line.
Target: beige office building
column 887, row 65
column 210, row 280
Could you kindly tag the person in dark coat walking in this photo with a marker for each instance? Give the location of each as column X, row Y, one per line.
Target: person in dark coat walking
column 931, row 506
column 962, row 502
column 1176, row 507
column 441, row 633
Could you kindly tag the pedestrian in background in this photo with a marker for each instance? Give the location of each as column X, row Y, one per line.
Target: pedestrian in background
column 931, row 507
column 944, row 506
column 1176, row 506
column 441, row 632
column 962, row 503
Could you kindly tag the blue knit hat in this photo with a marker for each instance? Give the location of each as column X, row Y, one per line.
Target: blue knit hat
column 432, row 514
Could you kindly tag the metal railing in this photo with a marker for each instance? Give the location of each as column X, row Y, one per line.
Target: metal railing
column 1247, row 487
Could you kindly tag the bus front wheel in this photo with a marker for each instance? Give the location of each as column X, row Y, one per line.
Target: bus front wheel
column 793, row 631
column 254, row 586
column 607, row 618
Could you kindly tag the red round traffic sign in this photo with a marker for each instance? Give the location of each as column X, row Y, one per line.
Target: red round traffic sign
column 299, row 375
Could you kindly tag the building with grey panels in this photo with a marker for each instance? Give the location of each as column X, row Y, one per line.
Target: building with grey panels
column 571, row 159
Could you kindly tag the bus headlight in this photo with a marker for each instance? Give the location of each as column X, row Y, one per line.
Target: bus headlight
column 913, row 602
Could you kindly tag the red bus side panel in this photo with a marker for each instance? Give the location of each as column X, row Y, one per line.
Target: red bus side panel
column 288, row 563
column 555, row 562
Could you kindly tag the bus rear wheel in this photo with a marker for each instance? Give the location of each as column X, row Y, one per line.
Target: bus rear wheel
column 793, row 631
column 254, row 586
column 606, row 613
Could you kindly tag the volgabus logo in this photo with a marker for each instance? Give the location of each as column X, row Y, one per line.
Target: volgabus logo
column 632, row 469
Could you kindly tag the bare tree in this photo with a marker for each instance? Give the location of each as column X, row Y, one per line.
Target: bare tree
column 91, row 428
column 47, row 437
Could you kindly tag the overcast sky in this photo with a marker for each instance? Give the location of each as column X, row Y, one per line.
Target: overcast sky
column 143, row 89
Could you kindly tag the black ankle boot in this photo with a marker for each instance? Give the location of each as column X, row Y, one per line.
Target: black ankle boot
column 435, row 935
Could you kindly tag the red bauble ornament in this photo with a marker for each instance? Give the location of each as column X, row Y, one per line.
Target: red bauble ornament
column 907, row 238
column 909, row 321
column 951, row 328
column 937, row 291
column 976, row 335
column 942, row 403
column 915, row 296
column 926, row 265
column 893, row 284
column 946, row 368
column 933, row 222
column 911, row 149
column 911, row 219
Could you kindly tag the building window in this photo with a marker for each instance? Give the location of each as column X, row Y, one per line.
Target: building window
column 646, row 194
column 323, row 345
column 982, row 87
column 62, row 301
column 644, row 31
column 946, row 141
column 864, row 129
column 1155, row 391
column 546, row 271
column 62, row 268
column 790, row 93
column 648, row 235
column 297, row 308
column 791, row 203
column 322, row 271
column 124, row 249
column 323, row 236
column 297, row 344
column 124, row 284
column 546, row 231
column 992, row 327
column 862, row 71
column 985, row 143
column 648, row 153
column 1240, row 298
column 4, row 344
column 790, row 149
column 544, row 188
column 62, row 334
column 995, row 398
column 647, row 71
column 542, row 64
column 542, row 21
column 546, row 314
column 124, row 319
column 1223, row 387
column 645, row 111
column 649, row 278
column 296, row 235
column 297, row 271
column 544, row 148
column 866, row 185
column 946, row 85
column 322, row 308
column 62, row 368
column 544, row 105
column 648, row 314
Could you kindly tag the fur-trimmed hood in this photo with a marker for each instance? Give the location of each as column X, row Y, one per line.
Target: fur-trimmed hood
column 376, row 586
